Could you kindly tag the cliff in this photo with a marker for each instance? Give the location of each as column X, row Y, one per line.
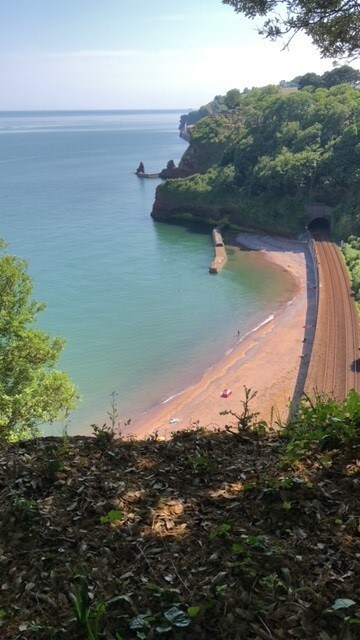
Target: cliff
column 263, row 162
column 208, row 141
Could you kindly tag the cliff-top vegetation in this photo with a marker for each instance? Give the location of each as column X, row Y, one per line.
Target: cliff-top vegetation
column 277, row 152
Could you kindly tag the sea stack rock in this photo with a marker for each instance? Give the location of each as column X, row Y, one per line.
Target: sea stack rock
column 171, row 171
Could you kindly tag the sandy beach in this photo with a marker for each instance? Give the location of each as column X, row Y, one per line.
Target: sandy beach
column 271, row 360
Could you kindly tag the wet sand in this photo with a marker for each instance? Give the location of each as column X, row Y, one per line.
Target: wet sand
column 269, row 360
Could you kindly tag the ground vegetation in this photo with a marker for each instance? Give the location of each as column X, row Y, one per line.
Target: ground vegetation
column 244, row 533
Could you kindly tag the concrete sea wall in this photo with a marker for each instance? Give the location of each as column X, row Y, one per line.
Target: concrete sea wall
column 220, row 252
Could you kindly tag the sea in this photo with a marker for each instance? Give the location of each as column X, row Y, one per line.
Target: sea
column 142, row 316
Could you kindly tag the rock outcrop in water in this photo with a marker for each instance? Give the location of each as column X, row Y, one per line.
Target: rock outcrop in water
column 140, row 169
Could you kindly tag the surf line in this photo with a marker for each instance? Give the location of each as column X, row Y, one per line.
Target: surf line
column 264, row 322
column 178, row 394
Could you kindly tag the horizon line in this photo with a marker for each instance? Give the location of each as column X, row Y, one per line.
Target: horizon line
column 96, row 110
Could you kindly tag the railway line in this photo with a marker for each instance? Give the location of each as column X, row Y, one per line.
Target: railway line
column 334, row 366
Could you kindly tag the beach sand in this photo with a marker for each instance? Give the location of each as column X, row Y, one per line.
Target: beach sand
column 272, row 360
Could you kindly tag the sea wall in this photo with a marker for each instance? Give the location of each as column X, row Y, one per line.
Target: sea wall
column 315, row 263
column 220, row 252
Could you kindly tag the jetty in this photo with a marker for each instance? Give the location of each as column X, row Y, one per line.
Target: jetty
column 147, row 175
column 220, row 258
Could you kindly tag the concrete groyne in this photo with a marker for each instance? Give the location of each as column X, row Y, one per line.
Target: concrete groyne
column 147, row 175
column 220, row 252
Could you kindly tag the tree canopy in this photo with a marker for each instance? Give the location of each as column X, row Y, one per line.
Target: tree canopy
column 339, row 75
column 32, row 391
column 286, row 150
column 232, row 98
column 333, row 25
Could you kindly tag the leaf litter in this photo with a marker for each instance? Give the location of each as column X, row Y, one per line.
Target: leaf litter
column 205, row 535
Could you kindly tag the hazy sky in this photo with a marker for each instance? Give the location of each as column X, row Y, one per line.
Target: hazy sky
column 119, row 54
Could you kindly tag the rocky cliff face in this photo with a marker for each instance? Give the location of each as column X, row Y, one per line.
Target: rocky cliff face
column 208, row 140
column 198, row 158
column 163, row 210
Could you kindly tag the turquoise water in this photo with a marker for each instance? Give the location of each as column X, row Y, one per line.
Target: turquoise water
column 134, row 299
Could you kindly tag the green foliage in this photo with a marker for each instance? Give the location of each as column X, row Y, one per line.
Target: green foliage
column 257, row 543
column 168, row 619
column 112, row 516
column 87, row 615
column 31, row 390
column 200, row 462
column 23, row 509
column 273, row 584
column 107, row 432
column 341, row 75
column 288, row 172
column 351, row 251
column 308, row 80
column 213, row 130
column 220, row 531
column 232, row 99
column 322, row 425
column 164, row 593
column 338, row 75
column 247, row 421
column 332, row 25
column 215, row 106
column 278, row 152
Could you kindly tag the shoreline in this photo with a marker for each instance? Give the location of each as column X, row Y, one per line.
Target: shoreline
column 251, row 362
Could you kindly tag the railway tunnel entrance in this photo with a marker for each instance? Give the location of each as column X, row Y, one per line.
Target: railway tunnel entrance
column 319, row 226
column 319, row 218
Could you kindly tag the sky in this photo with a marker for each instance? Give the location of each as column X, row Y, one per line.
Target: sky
column 137, row 54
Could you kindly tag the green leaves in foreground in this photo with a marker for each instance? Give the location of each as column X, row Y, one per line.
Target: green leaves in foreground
column 322, row 425
column 31, row 390
column 87, row 615
column 171, row 620
column 112, row 516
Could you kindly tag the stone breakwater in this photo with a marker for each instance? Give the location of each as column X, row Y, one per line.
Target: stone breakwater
column 220, row 252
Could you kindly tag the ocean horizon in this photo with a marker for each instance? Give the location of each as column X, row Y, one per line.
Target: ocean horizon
column 134, row 299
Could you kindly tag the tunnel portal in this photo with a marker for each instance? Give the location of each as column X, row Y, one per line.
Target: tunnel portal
column 322, row 225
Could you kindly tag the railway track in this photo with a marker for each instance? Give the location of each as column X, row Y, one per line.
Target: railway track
column 334, row 366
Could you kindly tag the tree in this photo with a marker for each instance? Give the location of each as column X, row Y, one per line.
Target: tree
column 31, row 390
column 333, row 25
column 309, row 80
column 232, row 98
column 341, row 75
